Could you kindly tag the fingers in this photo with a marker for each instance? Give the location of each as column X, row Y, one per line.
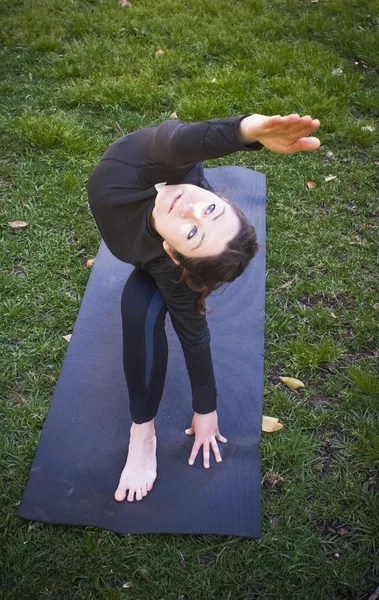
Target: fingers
column 221, row 438
column 305, row 144
column 206, row 455
column 216, row 451
column 189, row 431
column 293, row 124
column 194, row 453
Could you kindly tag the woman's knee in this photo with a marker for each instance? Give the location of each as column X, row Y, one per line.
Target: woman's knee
column 140, row 296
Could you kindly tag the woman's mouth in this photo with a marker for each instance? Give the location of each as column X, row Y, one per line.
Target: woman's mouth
column 175, row 201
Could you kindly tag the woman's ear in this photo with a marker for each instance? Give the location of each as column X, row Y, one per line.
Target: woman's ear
column 167, row 248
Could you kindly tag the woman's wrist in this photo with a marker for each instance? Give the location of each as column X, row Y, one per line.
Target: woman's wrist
column 245, row 131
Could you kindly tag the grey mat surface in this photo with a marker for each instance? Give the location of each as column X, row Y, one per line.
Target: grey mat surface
column 83, row 444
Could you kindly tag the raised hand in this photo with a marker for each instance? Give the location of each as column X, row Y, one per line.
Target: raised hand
column 284, row 135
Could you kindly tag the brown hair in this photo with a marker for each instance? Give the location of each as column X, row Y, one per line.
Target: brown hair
column 209, row 273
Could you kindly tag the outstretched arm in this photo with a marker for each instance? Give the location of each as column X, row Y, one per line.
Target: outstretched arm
column 284, row 135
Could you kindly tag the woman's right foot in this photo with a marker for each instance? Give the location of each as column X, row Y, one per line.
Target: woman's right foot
column 140, row 470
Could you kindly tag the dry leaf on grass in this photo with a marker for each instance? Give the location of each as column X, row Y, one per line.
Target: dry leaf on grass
column 287, row 284
column 271, row 424
column 159, row 52
column 120, row 128
column 294, row 384
column 15, row 224
column 89, row 263
column 330, row 177
column 311, row 185
column 127, row 585
column 124, row 3
column 173, row 115
column 67, row 337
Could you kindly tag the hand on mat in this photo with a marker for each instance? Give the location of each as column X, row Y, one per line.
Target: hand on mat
column 205, row 428
column 284, row 135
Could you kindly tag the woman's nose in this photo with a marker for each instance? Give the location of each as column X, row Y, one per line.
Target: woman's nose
column 190, row 210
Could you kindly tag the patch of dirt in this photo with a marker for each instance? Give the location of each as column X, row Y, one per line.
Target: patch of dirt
column 329, row 452
column 333, row 527
column 363, row 353
column 318, row 400
column 17, row 271
column 320, row 300
column 275, row 371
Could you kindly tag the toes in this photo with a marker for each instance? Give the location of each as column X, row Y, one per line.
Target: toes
column 131, row 496
column 139, row 494
column 120, row 495
column 149, row 486
column 144, row 490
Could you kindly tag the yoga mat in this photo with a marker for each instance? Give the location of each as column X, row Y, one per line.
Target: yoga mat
column 83, row 444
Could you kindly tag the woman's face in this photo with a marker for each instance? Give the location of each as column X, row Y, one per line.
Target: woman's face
column 199, row 224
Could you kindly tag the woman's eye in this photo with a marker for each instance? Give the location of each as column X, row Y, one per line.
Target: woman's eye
column 195, row 228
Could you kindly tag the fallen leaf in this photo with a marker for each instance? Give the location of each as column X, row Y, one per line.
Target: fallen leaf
column 15, row 224
column 173, row 115
column 287, row 284
column 34, row 525
column 376, row 306
column 120, row 128
column 343, row 531
column 368, row 128
column 271, row 424
column 127, row 585
column 333, row 315
column 67, row 337
column 124, row 3
column 272, row 480
column 30, row 77
column 90, row 262
column 311, row 185
column 294, row 384
column 356, row 240
column 330, row 177
column 159, row 52
column 271, row 419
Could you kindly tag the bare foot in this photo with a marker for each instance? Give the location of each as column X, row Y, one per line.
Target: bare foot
column 140, row 470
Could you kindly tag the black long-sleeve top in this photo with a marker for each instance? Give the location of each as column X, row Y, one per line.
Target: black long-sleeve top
column 121, row 195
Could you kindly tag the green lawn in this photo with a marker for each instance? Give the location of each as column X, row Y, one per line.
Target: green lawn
column 73, row 74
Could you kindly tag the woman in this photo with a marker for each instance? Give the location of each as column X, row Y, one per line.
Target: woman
column 155, row 210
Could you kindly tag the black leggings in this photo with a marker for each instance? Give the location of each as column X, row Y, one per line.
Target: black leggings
column 145, row 348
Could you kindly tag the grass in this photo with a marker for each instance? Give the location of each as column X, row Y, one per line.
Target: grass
column 72, row 73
